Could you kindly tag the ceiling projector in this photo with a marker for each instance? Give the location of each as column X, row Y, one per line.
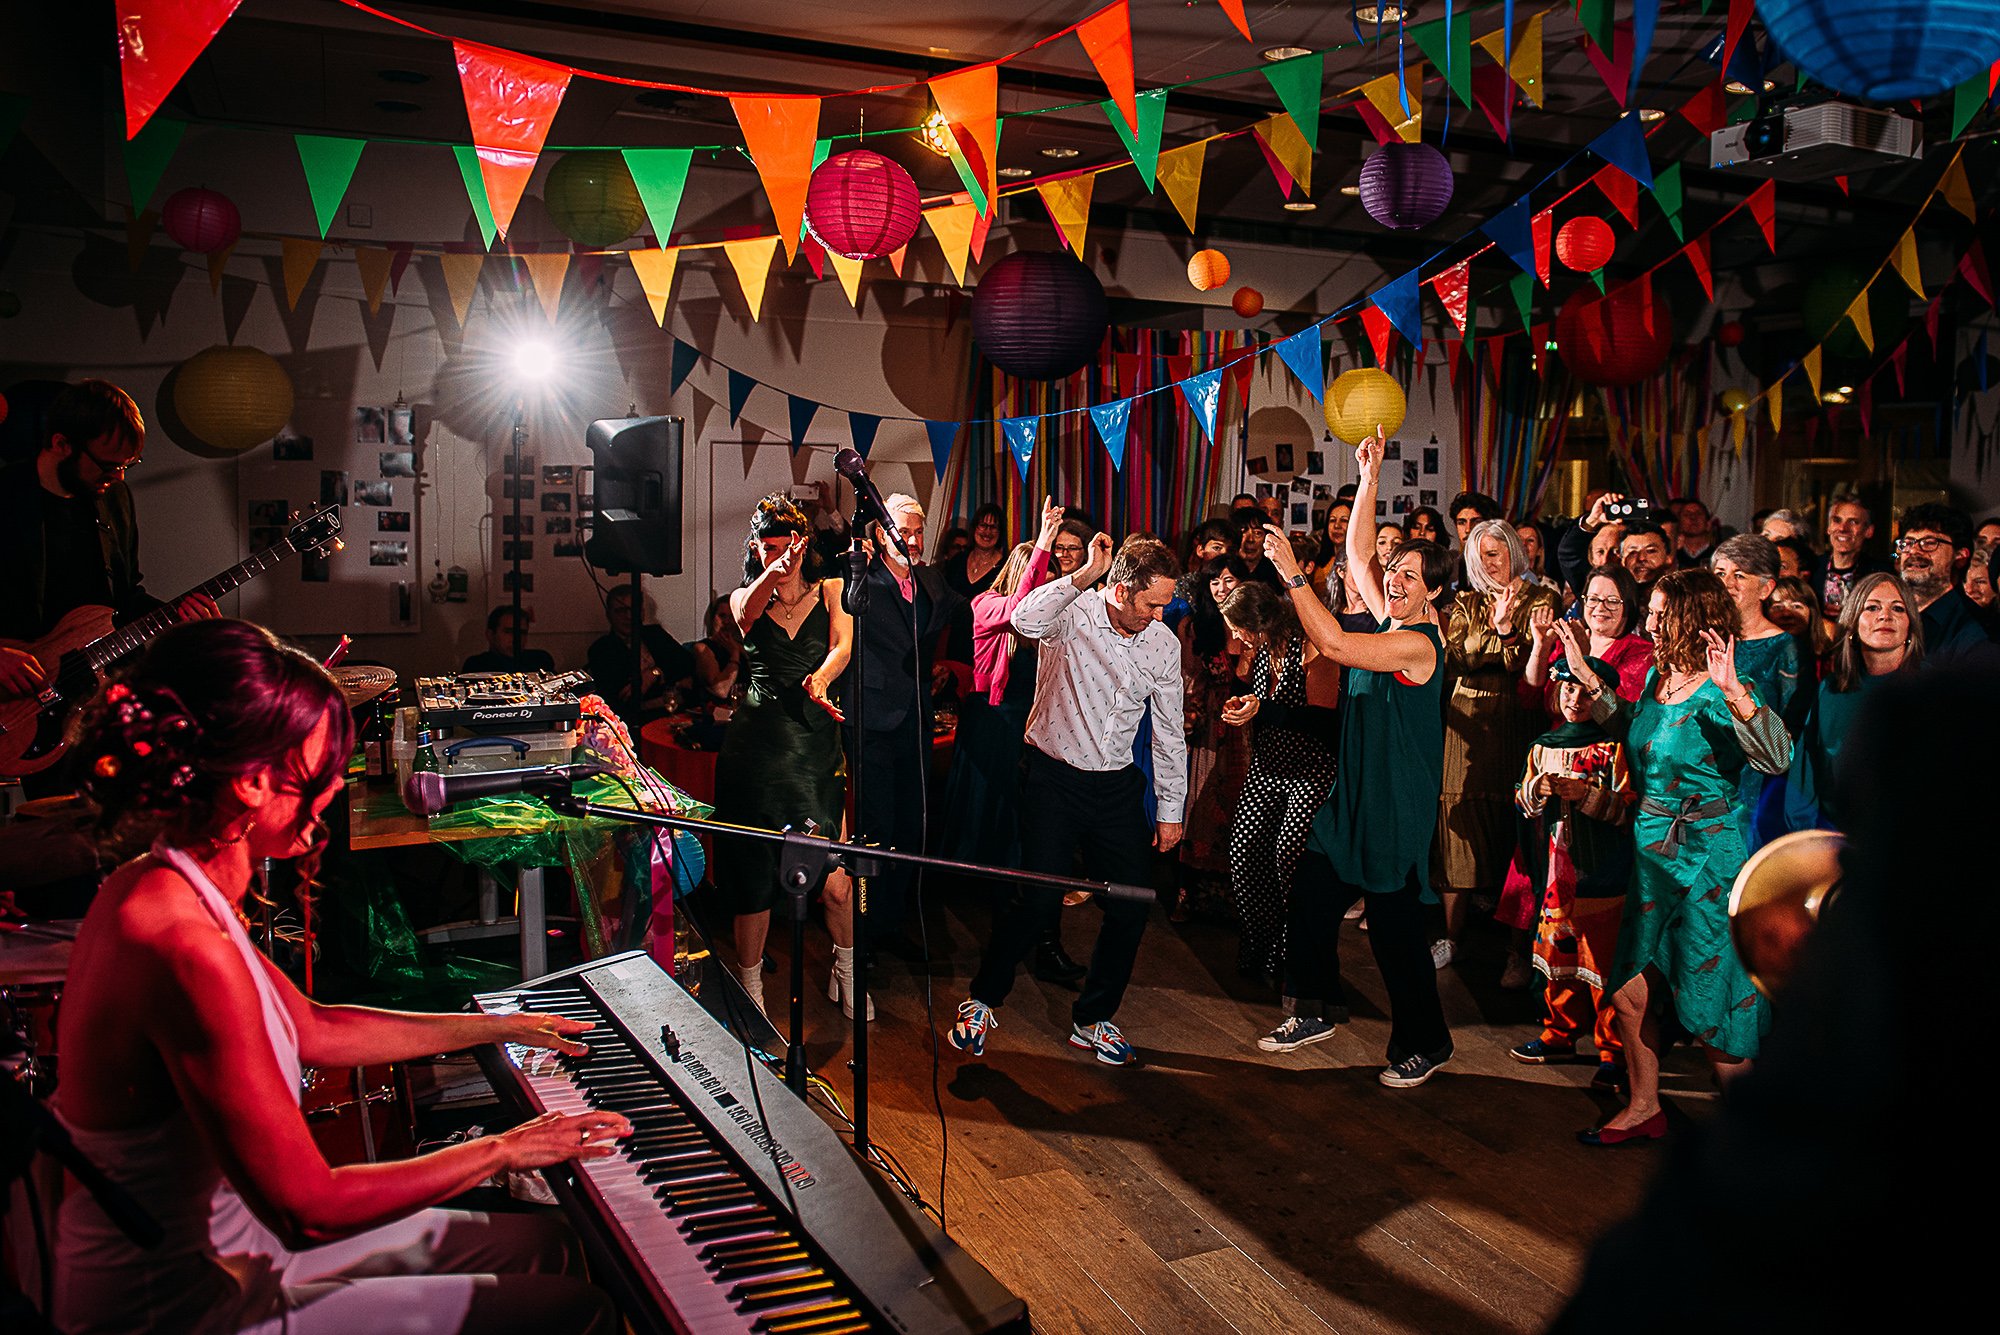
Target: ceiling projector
column 1815, row 141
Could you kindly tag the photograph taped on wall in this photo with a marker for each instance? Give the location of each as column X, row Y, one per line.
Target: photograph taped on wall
column 555, row 502
column 1393, row 450
column 371, row 426
column 1258, row 465
column 1430, row 458
column 1315, row 461
column 1263, row 490
column 1285, row 457
column 332, row 487
column 1322, row 491
column 518, row 548
column 527, row 581
column 558, row 475
column 398, row 463
column 527, row 463
column 1401, row 504
column 1301, row 516
column 1302, row 485
column 523, row 486
column 374, row 493
column 1409, row 472
column 402, row 424
column 525, row 525
column 392, row 521
column 1427, row 497
column 555, row 524
column 1381, row 508
column 571, row 548
column 290, row 447
column 390, row 552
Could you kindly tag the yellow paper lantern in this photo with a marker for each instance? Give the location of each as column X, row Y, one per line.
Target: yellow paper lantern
column 1733, row 400
column 1360, row 400
column 231, row 399
column 1208, row 269
column 591, row 198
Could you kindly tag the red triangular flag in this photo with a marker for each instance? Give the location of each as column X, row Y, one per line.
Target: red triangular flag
column 1841, row 181
column 1972, row 267
column 1493, row 94
column 1897, row 360
column 1542, row 226
column 1378, row 126
column 1107, row 40
column 1763, row 203
column 1623, row 192
column 1864, row 399
column 1706, row 110
column 1277, row 167
column 1239, row 371
column 1452, row 347
column 1234, row 8
column 399, row 260
column 1452, row 287
column 156, row 44
column 511, row 100
column 1739, row 19
column 1381, row 334
column 815, row 254
column 981, row 225
column 1931, row 313
column 1128, row 372
column 1616, row 71
column 1697, row 256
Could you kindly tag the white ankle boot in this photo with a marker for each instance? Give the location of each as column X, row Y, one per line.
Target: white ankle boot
column 840, row 986
column 752, row 980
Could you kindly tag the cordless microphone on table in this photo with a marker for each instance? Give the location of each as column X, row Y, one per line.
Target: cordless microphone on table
column 848, row 464
column 426, row 793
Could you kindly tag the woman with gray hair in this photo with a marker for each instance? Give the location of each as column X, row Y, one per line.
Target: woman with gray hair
column 1767, row 656
column 1487, row 729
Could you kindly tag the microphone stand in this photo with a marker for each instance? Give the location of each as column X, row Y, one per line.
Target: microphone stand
column 854, row 597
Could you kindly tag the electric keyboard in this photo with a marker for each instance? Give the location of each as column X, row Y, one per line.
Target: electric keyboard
column 733, row 1206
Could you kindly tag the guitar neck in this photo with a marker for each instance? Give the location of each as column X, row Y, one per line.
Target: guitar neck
column 104, row 652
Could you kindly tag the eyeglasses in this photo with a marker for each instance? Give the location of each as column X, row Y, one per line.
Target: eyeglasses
column 112, row 468
column 1926, row 544
column 1069, row 548
column 1604, row 604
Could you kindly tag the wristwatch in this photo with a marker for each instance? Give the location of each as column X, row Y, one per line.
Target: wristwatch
column 1296, row 582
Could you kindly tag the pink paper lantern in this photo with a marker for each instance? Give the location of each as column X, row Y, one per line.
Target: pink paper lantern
column 201, row 220
column 861, row 205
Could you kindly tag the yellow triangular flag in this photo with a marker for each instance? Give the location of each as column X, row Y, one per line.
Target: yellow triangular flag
column 1811, row 362
column 1738, row 423
column 1490, row 44
column 1281, row 135
column 547, row 269
column 1774, row 399
column 1858, row 313
column 1387, row 98
column 1068, row 202
column 849, row 273
column 656, row 277
column 461, row 279
column 751, row 258
column 216, row 264
column 952, row 225
column 301, row 258
column 1525, row 69
column 1179, row 175
column 1956, row 191
column 1906, row 262
column 373, row 263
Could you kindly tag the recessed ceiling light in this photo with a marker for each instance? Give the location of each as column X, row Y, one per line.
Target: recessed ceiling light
column 1350, row 190
column 1651, row 114
column 1013, row 173
column 1738, row 87
column 1389, row 13
column 1059, row 152
column 1299, row 206
column 1286, row 52
column 1845, row 389
column 1833, row 396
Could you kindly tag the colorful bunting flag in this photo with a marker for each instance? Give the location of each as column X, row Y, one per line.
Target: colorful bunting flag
column 1453, row 288
column 1203, row 392
column 685, row 355
column 1068, row 203
column 739, row 387
column 942, row 435
column 1697, row 257
column 1905, row 262
column 217, row 263
column 400, row 253
column 1144, row 142
column 1234, row 9
column 969, row 100
column 1956, row 191
column 1811, row 363
column 1020, row 433
column 1739, row 21
column 1543, row 228
column 1493, row 94
column 655, row 269
column 1297, row 83
column 780, row 133
column 1284, row 147
column 1385, row 95
column 1180, row 177
column 301, row 258
column 475, row 190
column 461, row 280
column 1113, row 422
column 1645, row 18
column 139, row 237
column 1523, row 287
column 156, row 44
column 861, row 429
column 1595, row 16
column 800, row 413
column 1107, row 40
column 1622, row 191
column 1774, row 400
column 1898, row 361
column 1763, row 204
column 1972, row 268
column 660, row 174
column 374, row 264
column 146, row 157
column 1667, row 194
column 1447, row 44
column 1707, row 110
column 329, row 164
column 1303, row 354
column 952, row 225
column 1381, row 334
column 1401, row 302
column 1512, row 229
column 511, row 100
column 751, row 259
column 1614, row 65
column 1857, row 312
column 546, row 269
column 849, row 273
column 1623, row 145
column 1525, row 69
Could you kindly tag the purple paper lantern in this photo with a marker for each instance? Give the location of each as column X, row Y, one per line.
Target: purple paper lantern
column 1406, row 185
column 201, row 220
column 861, row 205
column 1039, row 315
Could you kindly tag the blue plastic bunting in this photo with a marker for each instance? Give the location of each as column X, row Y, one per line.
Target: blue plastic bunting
column 684, row 358
column 1302, row 353
column 740, row 386
column 1021, row 432
column 1203, row 392
column 942, row 435
column 1979, row 361
column 1113, row 422
column 861, row 429
column 1400, row 302
column 1624, row 147
column 1645, row 18
column 802, row 412
column 1513, row 230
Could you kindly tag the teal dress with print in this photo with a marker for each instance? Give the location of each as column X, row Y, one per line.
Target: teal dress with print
column 1770, row 667
column 1688, row 761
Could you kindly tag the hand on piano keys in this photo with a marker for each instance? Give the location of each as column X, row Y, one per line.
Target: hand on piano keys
column 558, row 1137
column 532, row 1030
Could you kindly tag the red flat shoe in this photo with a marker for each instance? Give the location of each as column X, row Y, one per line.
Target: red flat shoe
column 1604, row 1137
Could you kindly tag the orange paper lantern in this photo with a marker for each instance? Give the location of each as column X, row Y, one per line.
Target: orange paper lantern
column 1247, row 302
column 1208, row 270
column 1585, row 243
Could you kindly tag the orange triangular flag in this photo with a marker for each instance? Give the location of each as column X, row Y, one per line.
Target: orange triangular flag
column 1906, row 262
column 656, row 277
column 301, row 258
column 511, row 100
column 374, row 266
column 1525, row 69
column 1234, row 8
column 1956, row 191
column 1068, row 202
column 849, row 273
column 1858, row 313
column 952, row 225
column 1386, row 96
column 751, row 258
column 1179, row 175
column 780, row 133
column 1107, row 40
column 1811, row 362
column 969, row 100
column 1280, row 134
column 461, row 280
column 139, row 237
column 547, row 270
column 896, row 258
column 216, row 264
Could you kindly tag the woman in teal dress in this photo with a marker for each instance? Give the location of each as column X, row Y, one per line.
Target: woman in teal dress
column 1767, row 656
column 781, row 757
column 1690, row 737
column 1880, row 635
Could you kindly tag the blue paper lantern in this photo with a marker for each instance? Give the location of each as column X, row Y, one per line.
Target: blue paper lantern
column 1406, row 185
column 1039, row 315
column 1886, row 50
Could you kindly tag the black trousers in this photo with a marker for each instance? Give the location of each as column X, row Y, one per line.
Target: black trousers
column 892, row 765
column 1401, row 940
column 1066, row 811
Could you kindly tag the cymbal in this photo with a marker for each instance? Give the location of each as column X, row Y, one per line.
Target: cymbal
column 362, row 683
column 1777, row 898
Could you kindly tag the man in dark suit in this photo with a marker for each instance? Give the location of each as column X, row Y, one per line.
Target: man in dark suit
column 889, row 753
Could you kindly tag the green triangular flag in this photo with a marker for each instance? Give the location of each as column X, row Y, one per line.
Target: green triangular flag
column 968, row 177
column 1523, row 284
column 821, row 149
column 1430, row 38
column 1297, row 84
column 329, row 165
column 146, row 158
column 660, row 174
column 1966, row 100
column 469, row 168
column 1596, row 16
column 1597, row 277
column 1667, row 194
column 1144, row 146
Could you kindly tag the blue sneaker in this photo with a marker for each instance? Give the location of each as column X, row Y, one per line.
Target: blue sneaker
column 975, row 1019
column 1103, row 1039
column 1535, row 1052
column 1413, row 1071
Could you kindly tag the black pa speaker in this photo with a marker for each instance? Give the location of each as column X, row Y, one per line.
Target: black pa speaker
column 636, row 526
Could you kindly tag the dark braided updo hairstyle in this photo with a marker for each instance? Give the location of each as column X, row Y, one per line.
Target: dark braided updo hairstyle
column 208, row 703
column 778, row 516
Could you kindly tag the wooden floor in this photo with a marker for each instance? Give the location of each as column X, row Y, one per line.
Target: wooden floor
column 1214, row 1187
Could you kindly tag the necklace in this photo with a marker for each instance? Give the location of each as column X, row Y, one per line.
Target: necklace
column 790, row 605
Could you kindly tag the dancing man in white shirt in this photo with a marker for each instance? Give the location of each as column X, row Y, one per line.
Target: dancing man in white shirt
column 1105, row 658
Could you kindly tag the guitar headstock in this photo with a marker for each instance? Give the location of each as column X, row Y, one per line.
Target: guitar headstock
column 318, row 532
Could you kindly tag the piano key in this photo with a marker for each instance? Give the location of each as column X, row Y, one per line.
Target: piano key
column 767, row 1293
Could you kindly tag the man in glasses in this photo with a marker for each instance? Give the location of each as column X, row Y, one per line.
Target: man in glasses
column 1931, row 556
column 69, row 537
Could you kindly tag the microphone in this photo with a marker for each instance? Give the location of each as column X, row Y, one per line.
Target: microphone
column 848, row 464
column 427, row 792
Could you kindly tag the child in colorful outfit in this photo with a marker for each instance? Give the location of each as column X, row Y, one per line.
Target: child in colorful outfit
column 1577, row 785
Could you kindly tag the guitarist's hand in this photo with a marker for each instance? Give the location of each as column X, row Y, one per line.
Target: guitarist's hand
column 196, row 607
column 20, row 673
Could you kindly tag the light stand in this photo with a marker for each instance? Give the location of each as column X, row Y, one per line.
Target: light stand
column 520, row 439
column 854, row 597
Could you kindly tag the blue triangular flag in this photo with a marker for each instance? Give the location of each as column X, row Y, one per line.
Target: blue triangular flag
column 1113, row 421
column 1979, row 361
column 1302, row 353
column 740, row 386
column 1399, row 301
column 685, row 356
column 1020, row 433
column 802, row 411
column 1624, row 147
column 1513, row 230
column 1645, row 17
column 1203, row 392
column 861, row 428
column 942, row 435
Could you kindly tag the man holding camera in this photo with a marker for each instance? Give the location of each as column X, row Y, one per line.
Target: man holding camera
column 1643, row 550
